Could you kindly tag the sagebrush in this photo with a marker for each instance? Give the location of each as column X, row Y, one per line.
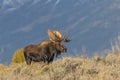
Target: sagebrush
column 67, row 68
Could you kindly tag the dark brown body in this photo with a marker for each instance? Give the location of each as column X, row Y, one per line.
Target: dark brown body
column 45, row 51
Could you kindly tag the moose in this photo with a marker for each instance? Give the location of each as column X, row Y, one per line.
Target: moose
column 46, row 50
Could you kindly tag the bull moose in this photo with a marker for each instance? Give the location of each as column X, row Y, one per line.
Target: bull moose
column 46, row 50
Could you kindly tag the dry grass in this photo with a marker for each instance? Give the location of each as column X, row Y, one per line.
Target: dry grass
column 67, row 68
column 96, row 68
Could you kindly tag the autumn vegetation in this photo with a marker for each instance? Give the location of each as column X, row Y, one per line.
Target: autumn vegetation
column 67, row 68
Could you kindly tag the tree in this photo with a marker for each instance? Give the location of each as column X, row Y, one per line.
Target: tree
column 18, row 56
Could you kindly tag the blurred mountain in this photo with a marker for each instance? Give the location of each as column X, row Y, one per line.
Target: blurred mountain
column 92, row 24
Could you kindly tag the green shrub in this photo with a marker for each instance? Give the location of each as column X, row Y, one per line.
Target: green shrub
column 18, row 56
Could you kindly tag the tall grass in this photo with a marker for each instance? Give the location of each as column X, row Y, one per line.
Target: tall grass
column 115, row 47
column 67, row 68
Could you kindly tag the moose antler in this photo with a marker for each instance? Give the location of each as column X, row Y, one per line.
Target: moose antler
column 56, row 36
column 53, row 36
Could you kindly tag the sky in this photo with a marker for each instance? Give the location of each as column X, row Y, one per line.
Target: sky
column 93, row 24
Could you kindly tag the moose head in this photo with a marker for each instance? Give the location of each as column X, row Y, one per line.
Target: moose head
column 57, row 38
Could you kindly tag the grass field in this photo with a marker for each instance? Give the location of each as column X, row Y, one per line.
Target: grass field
column 67, row 68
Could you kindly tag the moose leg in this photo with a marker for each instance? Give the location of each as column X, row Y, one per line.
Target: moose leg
column 51, row 59
column 27, row 58
column 45, row 59
column 28, row 61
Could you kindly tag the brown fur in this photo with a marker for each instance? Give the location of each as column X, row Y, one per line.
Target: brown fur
column 44, row 51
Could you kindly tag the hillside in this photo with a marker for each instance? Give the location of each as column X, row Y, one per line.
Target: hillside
column 67, row 68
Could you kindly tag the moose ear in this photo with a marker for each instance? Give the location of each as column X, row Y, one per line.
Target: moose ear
column 51, row 35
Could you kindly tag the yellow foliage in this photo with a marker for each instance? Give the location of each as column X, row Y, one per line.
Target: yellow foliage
column 18, row 56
